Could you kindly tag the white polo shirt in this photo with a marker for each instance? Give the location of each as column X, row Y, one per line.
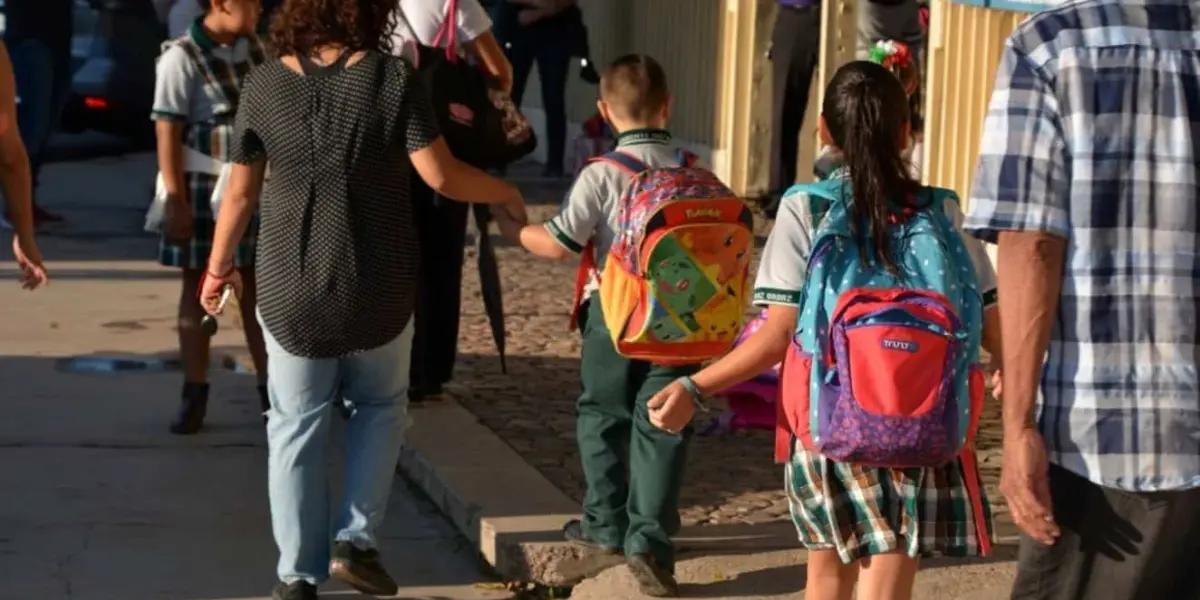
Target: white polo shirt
column 420, row 21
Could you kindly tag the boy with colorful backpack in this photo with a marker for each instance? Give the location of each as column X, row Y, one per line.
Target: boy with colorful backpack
column 878, row 308
column 674, row 244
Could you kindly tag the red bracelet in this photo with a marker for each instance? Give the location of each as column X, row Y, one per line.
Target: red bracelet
column 215, row 276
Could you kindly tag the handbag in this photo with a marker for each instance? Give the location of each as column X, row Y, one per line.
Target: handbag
column 480, row 124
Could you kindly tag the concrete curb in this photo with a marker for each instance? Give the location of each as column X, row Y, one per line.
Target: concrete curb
column 513, row 514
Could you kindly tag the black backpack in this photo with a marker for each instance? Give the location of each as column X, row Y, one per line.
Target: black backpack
column 481, row 124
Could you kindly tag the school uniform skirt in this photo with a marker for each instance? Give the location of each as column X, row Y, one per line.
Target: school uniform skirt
column 864, row 511
column 193, row 254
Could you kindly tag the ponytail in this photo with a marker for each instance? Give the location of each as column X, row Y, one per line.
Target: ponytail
column 866, row 111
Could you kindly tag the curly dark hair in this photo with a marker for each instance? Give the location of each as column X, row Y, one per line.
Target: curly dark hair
column 303, row 27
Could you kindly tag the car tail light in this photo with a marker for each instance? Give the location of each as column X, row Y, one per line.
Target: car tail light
column 96, row 103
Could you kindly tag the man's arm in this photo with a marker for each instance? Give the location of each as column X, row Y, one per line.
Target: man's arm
column 1030, row 272
column 1021, row 200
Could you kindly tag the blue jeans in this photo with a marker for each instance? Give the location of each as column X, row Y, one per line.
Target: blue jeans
column 43, row 83
column 303, row 392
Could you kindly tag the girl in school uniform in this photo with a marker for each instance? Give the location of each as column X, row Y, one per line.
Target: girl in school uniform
column 865, row 527
column 199, row 77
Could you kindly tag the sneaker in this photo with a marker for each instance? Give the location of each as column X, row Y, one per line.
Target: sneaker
column 297, row 590
column 573, row 532
column 653, row 580
column 361, row 570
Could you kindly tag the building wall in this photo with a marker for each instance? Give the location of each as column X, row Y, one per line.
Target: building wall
column 681, row 34
column 965, row 43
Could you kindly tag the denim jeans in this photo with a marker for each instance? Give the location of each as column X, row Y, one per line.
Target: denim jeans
column 43, row 83
column 303, row 394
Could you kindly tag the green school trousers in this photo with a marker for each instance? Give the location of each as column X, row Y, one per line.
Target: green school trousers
column 633, row 469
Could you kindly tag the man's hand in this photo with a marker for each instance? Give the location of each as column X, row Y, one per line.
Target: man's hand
column 672, row 408
column 29, row 259
column 1025, row 483
column 178, row 222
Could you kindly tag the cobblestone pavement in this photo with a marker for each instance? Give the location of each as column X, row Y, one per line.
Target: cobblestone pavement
column 730, row 479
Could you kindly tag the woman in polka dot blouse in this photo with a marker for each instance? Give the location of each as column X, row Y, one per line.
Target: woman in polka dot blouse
column 344, row 124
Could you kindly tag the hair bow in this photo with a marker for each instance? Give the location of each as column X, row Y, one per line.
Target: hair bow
column 890, row 54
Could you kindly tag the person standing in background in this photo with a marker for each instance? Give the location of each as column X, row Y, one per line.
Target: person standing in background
column 441, row 223
column 545, row 31
column 38, row 35
column 795, row 48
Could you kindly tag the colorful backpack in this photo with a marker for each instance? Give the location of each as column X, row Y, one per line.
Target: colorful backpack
column 751, row 403
column 674, row 286
column 883, row 370
column 880, row 369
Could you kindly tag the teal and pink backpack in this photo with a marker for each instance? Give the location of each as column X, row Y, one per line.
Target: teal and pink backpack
column 674, row 287
column 884, row 370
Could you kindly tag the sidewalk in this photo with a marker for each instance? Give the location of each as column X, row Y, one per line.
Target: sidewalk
column 99, row 502
column 510, row 476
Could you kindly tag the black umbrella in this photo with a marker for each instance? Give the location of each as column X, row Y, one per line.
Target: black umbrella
column 489, row 281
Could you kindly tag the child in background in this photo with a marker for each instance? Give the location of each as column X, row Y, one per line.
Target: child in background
column 199, row 76
column 636, row 514
column 864, row 526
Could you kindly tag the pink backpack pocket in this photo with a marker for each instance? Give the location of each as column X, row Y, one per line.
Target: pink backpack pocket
column 891, row 400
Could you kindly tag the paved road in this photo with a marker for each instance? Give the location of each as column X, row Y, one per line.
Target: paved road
column 97, row 502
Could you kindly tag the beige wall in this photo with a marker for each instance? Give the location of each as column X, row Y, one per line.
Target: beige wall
column 681, row 34
column 965, row 45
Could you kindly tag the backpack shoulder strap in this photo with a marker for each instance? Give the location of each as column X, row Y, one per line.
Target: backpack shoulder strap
column 821, row 196
column 686, row 158
column 622, row 160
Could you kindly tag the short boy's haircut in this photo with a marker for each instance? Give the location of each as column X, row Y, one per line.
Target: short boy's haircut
column 635, row 87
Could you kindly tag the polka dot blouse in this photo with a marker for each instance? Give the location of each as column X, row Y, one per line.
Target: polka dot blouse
column 337, row 250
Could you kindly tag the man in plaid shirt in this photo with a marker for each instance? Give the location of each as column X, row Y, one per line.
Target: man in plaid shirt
column 1087, row 179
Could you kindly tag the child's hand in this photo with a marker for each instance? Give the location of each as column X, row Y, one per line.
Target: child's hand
column 509, row 229
column 178, row 226
column 672, row 408
column 997, row 369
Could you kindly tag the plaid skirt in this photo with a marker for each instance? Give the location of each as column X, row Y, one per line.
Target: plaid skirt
column 193, row 254
column 863, row 511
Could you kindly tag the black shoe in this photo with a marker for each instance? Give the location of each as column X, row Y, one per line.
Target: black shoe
column 190, row 417
column 361, row 570
column 573, row 532
column 264, row 401
column 299, row 590
column 653, row 580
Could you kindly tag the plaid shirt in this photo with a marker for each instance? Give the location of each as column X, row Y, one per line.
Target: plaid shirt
column 1089, row 136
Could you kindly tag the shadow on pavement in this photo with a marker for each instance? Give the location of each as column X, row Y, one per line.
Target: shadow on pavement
column 101, row 503
column 773, row 581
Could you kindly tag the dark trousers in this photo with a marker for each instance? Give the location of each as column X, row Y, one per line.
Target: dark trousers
column 442, row 229
column 639, row 512
column 1115, row 545
column 551, row 48
column 795, row 48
